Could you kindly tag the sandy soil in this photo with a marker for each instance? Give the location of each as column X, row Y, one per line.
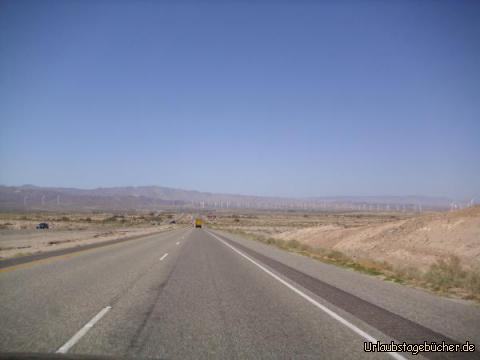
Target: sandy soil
column 19, row 237
column 415, row 240
column 418, row 242
column 24, row 242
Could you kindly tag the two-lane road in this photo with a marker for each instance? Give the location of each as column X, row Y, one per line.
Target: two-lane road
column 194, row 293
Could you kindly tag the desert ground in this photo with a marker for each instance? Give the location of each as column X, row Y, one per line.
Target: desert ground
column 439, row 251
column 19, row 236
column 431, row 249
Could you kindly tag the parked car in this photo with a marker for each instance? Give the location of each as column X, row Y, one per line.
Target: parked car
column 42, row 226
column 173, row 222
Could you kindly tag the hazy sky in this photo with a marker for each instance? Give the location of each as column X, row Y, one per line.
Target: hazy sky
column 295, row 98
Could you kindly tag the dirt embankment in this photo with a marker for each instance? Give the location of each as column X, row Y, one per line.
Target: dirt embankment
column 436, row 251
column 419, row 241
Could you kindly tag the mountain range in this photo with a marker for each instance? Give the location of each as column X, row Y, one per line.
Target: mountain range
column 151, row 198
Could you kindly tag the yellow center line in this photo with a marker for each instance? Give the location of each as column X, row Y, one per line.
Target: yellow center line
column 53, row 258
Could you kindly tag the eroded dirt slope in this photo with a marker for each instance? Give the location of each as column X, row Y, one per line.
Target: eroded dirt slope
column 418, row 241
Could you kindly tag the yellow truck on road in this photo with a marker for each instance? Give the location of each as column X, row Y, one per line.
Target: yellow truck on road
column 198, row 222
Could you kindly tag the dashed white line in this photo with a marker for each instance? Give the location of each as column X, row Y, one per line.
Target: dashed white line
column 310, row 299
column 75, row 338
column 164, row 256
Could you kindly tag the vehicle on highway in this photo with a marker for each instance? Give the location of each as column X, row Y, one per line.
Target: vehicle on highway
column 317, row 159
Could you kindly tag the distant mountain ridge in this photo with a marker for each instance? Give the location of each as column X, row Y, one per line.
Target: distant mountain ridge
column 31, row 197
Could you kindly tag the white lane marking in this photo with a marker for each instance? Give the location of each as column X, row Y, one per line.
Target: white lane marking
column 310, row 299
column 64, row 348
column 178, row 242
column 164, row 256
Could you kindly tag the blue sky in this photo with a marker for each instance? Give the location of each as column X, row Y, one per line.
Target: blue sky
column 299, row 98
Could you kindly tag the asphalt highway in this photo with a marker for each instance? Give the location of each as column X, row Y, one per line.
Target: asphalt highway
column 202, row 294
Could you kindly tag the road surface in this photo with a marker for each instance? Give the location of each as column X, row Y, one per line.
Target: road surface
column 201, row 294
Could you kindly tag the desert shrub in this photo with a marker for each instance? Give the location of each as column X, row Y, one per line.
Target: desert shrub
column 294, row 244
column 305, row 247
column 445, row 274
column 281, row 243
column 337, row 255
column 270, row 241
column 409, row 273
column 472, row 282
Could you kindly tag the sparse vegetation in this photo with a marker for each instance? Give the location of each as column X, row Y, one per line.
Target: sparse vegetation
column 18, row 230
column 450, row 276
column 447, row 277
column 402, row 247
column 446, row 274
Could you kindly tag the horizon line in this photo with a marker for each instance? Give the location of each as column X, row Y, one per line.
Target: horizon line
column 244, row 195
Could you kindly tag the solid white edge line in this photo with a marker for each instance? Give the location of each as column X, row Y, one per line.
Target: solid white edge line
column 164, row 256
column 75, row 338
column 334, row 315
